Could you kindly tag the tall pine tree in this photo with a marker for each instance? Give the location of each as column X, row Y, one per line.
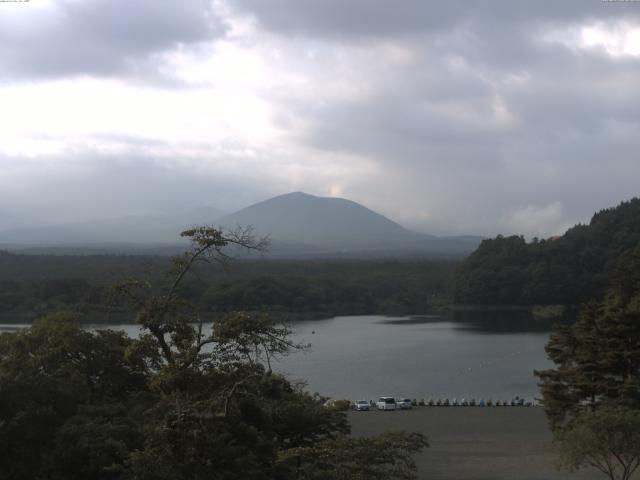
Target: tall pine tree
column 592, row 397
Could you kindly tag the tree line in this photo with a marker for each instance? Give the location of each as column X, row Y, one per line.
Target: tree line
column 568, row 270
column 303, row 288
column 592, row 396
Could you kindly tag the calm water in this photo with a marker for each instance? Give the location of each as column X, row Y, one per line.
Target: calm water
column 419, row 357
column 370, row 356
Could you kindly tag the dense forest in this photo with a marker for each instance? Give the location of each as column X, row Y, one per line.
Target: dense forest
column 567, row 270
column 31, row 285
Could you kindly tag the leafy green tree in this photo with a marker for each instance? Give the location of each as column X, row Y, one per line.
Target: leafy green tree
column 606, row 438
column 56, row 383
column 592, row 397
column 597, row 358
column 571, row 269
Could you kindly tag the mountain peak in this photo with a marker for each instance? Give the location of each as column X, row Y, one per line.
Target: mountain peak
column 335, row 223
column 302, row 196
column 296, row 194
column 329, row 224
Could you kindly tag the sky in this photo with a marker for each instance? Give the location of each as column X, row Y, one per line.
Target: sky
column 450, row 117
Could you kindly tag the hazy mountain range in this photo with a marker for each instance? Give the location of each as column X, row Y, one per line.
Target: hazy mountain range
column 302, row 223
column 298, row 224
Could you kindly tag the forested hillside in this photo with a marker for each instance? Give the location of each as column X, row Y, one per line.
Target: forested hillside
column 569, row 270
column 32, row 285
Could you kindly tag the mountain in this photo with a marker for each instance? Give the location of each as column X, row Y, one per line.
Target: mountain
column 299, row 223
column 571, row 269
column 329, row 222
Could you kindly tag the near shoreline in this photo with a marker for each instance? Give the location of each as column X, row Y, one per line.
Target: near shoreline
column 472, row 443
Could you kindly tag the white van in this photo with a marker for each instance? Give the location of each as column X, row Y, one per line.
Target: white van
column 386, row 403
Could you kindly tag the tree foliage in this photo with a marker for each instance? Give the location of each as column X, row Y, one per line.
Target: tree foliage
column 31, row 285
column 598, row 357
column 59, row 386
column 606, row 438
column 592, row 397
column 571, row 269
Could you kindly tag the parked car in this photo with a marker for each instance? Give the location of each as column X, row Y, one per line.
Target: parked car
column 386, row 403
column 404, row 403
column 361, row 405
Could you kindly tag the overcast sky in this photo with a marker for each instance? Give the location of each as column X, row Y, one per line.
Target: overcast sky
column 450, row 117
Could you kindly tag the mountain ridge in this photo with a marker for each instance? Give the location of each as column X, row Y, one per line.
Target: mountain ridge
column 299, row 224
column 339, row 225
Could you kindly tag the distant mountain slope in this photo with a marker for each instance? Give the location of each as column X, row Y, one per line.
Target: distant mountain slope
column 125, row 231
column 570, row 269
column 298, row 222
column 299, row 225
column 330, row 222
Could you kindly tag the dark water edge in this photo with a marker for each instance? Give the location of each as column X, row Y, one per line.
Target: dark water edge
column 97, row 317
column 489, row 318
column 501, row 319
column 509, row 320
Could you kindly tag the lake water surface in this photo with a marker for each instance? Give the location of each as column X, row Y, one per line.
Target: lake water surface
column 419, row 357
column 471, row 356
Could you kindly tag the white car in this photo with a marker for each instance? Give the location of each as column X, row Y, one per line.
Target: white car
column 404, row 403
column 386, row 403
column 361, row 405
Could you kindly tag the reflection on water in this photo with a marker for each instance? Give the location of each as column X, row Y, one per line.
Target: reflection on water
column 12, row 327
column 417, row 320
column 506, row 321
column 487, row 321
column 463, row 354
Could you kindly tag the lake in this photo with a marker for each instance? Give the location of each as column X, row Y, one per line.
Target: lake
column 420, row 357
column 467, row 354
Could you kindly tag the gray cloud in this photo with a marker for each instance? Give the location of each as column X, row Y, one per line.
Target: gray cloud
column 488, row 122
column 381, row 18
column 102, row 37
column 357, row 17
column 473, row 116
column 90, row 185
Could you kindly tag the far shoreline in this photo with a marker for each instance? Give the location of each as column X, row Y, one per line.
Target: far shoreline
column 120, row 317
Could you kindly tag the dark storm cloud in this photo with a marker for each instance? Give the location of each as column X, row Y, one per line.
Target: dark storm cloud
column 101, row 37
column 567, row 138
column 492, row 123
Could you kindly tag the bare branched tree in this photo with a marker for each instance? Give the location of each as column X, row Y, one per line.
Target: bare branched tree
column 163, row 313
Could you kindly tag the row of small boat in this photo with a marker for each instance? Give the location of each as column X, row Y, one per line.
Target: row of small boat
column 463, row 402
